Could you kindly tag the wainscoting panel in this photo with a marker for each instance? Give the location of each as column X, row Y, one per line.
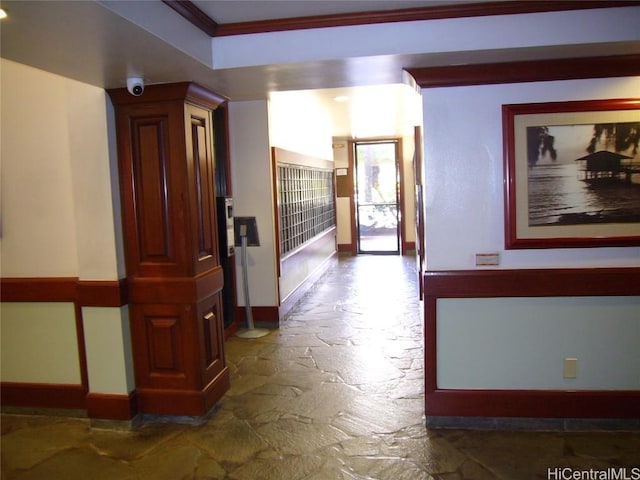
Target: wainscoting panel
column 590, row 401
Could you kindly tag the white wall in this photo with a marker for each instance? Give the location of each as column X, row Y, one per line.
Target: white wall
column 508, row 343
column 107, row 336
column 300, row 122
column 39, row 343
column 38, row 221
column 521, row 343
column 464, row 206
column 252, row 196
column 408, row 149
column 60, row 219
column 343, row 204
column 466, row 35
column 295, row 121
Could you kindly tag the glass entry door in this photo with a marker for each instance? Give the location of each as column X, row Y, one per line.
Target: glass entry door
column 377, row 188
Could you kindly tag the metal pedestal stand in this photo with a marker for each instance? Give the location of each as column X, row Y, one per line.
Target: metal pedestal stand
column 251, row 331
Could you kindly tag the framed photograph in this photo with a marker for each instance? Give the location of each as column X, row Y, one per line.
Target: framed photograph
column 572, row 174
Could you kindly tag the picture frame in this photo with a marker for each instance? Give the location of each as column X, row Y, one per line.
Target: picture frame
column 572, row 174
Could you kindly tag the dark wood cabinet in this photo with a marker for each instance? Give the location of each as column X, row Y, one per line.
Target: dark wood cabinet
column 167, row 183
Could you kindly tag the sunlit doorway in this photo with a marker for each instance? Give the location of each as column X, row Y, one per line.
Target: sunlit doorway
column 377, row 196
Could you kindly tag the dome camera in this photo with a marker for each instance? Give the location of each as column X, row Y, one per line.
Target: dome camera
column 135, row 86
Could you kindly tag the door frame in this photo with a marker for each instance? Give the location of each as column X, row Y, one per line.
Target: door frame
column 401, row 191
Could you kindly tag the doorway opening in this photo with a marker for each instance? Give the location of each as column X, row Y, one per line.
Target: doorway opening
column 377, row 196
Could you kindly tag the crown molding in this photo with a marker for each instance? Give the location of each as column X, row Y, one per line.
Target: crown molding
column 527, row 71
column 414, row 14
column 193, row 14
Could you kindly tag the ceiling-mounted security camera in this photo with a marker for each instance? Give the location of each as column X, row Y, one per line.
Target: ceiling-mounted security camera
column 135, row 86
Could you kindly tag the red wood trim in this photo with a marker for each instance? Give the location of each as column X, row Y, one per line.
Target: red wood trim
column 412, row 14
column 231, row 330
column 534, row 403
column 276, row 209
column 510, row 225
column 82, row 348
column 352, row 200
column 401, row 189
column 176, row 290
column 86, row 293
column 103, row 293
column 194, row 15
column 408, row 246
column 523, row 283
column 112, row 407
column 532, row 282
column 166, row 92
column 527, row 71
column 430, row 343
column 346, row 248
column 184, row 402
column 61, row 289
column 41, row 395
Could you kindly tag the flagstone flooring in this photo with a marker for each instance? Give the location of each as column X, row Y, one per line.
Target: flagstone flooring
column 335, row 394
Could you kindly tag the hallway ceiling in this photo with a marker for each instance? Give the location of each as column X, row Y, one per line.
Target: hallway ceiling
column 88, row 41
column 228, row 11
column 102, row 42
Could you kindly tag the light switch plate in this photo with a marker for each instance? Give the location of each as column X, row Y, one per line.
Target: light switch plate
column 570, row 368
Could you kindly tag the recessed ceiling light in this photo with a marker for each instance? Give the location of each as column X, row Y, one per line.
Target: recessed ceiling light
column 3, row 14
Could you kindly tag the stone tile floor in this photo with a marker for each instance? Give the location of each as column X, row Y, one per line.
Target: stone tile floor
column 335, row 393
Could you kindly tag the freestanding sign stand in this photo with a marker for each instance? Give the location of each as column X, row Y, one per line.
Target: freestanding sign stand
column 248, row 230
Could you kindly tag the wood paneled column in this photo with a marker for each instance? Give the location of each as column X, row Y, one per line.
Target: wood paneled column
column 166, row 166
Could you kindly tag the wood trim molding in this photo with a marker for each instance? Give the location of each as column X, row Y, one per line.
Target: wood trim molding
column 402, row 224
column 275, row 152
column 523, row 283
column 41, row 395
column 184, row 402
column 82, row 347
column 194, row 15
column 62, row 289
column 178, row 289
column 408, row 246
column 532, row 282
column 411, row 14
column 112, row 407
column 346, row 248
column 84, row 293
column 167, row 92
column 527, row 71
column 352, row 200
column 534, row 403
column 103, row 293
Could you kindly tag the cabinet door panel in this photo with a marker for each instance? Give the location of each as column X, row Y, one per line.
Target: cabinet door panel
column 212, row 336
column 151, row 190
column 165, row 345
column 154, row 200
column 200, row 165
